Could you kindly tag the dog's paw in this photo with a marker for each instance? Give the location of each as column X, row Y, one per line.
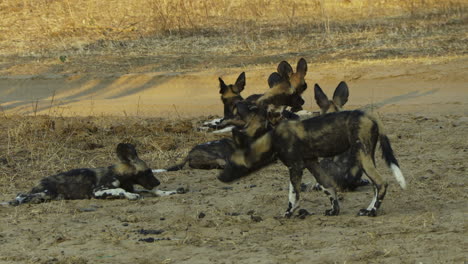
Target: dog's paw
column 332, row 212
column 303, row 213
column 181, row 190
column 288, row 214
column 132, row 196
column 365, row 212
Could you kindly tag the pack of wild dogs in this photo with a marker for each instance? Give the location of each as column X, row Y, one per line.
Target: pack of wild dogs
column 336, row 146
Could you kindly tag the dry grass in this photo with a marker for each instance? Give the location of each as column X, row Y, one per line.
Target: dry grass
column 160, row 35
column 34, row 147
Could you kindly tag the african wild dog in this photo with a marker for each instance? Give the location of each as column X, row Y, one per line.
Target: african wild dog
column 299, row 144
column 113, row 181
column 339, row 167
column 286, row 86
column 215, row 154
column 230, row 95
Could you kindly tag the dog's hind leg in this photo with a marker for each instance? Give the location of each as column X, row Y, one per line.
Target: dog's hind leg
column 326, row 184
column 295, row 175
column 380, row 186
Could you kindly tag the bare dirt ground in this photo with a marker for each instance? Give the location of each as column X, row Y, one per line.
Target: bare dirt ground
column 422, row 102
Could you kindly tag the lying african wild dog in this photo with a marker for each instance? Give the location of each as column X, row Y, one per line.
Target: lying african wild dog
column 113, row 181
column 215, row 154
column 299, row 144
column 339, row 167
column 230, row 95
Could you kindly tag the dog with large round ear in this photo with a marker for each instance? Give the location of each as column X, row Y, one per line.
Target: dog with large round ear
column 297, row 79
column 239, row 85
column 274, row 79
column 126, row 153
column 133, row 170
column 285, row 70
column 341, row 94
column 340, row 97
column 234, row 89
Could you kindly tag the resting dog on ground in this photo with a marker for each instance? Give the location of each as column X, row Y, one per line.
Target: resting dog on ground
column 113, row 181
column 214, row 154
column 299, row 144
column 230, row 95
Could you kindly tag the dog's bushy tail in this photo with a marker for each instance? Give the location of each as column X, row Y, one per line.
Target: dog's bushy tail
column 388, row 155
column 178, row 166
column 172, row 168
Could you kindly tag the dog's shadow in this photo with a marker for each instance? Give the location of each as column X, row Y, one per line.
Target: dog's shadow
column 399, row 98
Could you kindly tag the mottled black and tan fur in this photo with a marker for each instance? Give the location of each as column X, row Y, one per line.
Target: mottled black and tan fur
column 299, row 144
column 286, row 86
column 113, row 181
column 339, row 167
column 215, row 154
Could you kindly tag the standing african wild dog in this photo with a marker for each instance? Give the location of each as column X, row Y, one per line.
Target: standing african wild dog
column 113, row 181
column 339, row 167
column 299, row 144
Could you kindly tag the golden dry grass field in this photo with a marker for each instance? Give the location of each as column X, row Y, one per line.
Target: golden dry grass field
column 78, row 77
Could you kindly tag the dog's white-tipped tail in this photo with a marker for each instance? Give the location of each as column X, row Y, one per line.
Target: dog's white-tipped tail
column 159, row 170
column 398, row 175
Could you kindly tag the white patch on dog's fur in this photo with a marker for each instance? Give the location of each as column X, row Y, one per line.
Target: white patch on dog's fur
column 398, row 175
column 213, row 122
column 224, row 130
column 116, row 183
column 158, row 170
column 163, row 193
column 117, row 192
column 292, row 199
column 374, row 200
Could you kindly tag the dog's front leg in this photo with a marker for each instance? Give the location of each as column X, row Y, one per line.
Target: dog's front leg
column 157, row 192
column 295, row 177
column 115, row 193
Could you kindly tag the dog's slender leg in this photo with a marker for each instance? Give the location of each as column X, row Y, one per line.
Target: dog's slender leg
column 295, row 174
column 163, row 193
column 380, row 186
column 326, row 184
column 117, row 193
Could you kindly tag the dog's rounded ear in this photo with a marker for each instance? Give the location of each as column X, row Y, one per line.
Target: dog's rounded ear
column 302, row 67
column 126, row 152
column 341, row 94
column 321, row 98
column 240, row 83
column 274, row 79
column 222, row 86
column 285, row 70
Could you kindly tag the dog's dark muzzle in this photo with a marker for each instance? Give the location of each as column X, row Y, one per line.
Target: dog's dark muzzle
column 147, row 180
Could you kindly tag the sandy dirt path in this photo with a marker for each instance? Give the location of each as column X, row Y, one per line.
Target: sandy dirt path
column 400, row 85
